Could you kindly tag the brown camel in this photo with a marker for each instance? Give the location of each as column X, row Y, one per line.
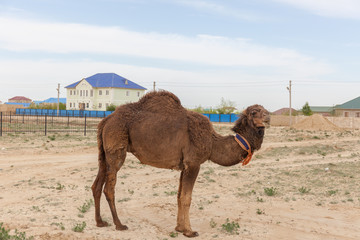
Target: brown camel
column 161, row 133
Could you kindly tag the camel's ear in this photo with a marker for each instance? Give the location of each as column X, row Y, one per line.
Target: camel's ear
column 241, row 122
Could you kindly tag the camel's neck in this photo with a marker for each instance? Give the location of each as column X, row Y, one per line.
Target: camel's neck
column 227, row 152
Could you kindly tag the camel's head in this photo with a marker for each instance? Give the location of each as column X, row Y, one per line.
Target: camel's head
column 256, row 117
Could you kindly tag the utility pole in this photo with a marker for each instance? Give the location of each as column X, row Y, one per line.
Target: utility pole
column 154, row 85
column 289, row 88
column 58, row 90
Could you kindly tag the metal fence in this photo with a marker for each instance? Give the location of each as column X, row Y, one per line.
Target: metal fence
column 63, row 113
column 47, row 121
column 101, row 114
column 221, row 117
column 46, row 124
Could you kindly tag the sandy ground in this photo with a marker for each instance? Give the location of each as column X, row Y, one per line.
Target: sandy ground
column 45, row 183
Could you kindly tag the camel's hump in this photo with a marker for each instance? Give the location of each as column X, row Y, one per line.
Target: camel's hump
column 160, row 100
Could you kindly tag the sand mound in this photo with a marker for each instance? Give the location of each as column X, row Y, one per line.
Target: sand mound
column 316, row 122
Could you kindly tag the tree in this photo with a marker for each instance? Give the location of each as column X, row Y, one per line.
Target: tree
column 226, row 107
column 111, row 107
column 306, row 110
column 200, row 109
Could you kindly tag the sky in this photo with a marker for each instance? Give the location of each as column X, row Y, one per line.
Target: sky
column 203, row 51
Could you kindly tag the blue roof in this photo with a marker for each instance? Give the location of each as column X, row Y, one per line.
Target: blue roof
column 54, row 100
column 24, row 104
column 101, row 80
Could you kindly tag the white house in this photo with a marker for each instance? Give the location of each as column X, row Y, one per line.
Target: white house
column 100, row 90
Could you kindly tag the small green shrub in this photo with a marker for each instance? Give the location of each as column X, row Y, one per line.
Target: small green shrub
column 230, row 227
column 331, row 192
column 170, row 193
column 60, row 225
column 4, row 234
column 79, row 227
column 173, row 234
column 259, row 211
column 86, row 206
column 270, row 191
column 59, row 187
column 304, row 190
column 52, row 138
column 212, row 223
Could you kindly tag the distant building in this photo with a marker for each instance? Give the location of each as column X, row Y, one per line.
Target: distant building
column 20, row 99
column 349, row 109
column 100, row 91
column 285, row 111
column 322, row 110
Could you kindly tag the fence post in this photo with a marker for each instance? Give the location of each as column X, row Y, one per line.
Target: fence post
column 45, row 124
column 85, row 126
column 0, row 123
column 10, row 116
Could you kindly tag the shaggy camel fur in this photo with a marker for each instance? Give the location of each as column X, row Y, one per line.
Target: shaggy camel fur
column 162, row 133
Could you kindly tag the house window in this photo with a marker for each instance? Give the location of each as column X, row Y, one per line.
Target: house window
column 70, row 105
column 70, row 92
column 127, row 93
column 100, row 92
column 80, row 93
column 346, row 114
column 100, row 105
column 357, row 114
column 77, row 92
column 87, row 105
column 138, row 93
column 107, row 92
column 91, row 93
column 87, row 92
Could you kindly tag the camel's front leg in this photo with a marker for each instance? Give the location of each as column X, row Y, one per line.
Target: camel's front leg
column 187, row 181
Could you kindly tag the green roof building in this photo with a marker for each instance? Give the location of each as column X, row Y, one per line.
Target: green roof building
column 349, row 109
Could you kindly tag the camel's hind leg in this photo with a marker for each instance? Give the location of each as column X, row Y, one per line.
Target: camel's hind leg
column 114, row 162
column 97, row 190
column 187, row 181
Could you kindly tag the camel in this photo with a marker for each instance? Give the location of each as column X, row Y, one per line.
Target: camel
column 160, row 132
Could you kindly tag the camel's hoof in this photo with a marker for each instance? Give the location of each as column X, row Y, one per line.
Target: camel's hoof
column 191, row 234
column 122, row 227
column 102, row 224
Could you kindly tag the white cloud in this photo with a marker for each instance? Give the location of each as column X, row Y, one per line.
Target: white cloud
column 24, row 36
column 329, row 8
column 38, row 79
